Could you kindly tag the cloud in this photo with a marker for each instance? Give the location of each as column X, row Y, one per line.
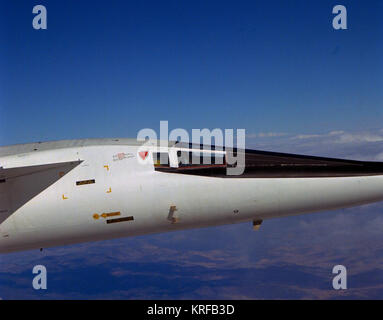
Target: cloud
column 306, row 136
column 367, row 145
column 361, row 137
column 335, row 136
column 265, row 135
column 342, row 137
column 379, row 157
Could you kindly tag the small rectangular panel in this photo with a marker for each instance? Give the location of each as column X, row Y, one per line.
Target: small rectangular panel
column 120, row 220
column 83, row 182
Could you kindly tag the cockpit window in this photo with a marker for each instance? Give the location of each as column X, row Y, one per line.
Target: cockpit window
column 193, row 158
column 161, row 159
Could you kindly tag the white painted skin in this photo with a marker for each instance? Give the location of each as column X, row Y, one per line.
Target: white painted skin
column 137, row 190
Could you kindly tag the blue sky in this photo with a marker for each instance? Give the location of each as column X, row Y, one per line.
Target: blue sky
column 276, row 68
column 109, row 69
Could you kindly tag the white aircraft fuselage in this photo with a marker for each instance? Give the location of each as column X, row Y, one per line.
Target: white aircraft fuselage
column 67, row 192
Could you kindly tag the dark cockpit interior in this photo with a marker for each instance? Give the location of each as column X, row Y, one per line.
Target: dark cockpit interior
column 265, row 164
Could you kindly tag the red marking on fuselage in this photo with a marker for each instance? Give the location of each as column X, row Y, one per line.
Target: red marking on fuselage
column 143, row 154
